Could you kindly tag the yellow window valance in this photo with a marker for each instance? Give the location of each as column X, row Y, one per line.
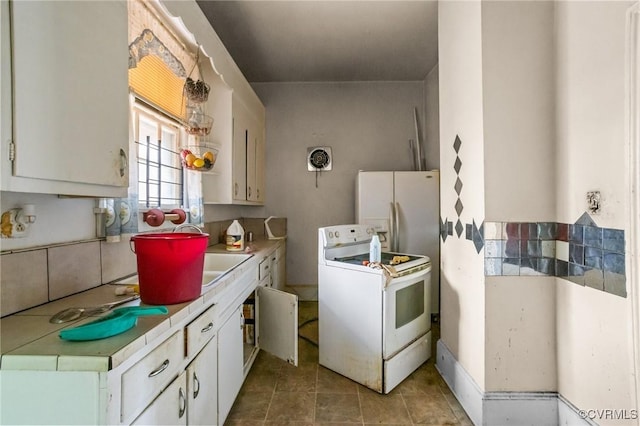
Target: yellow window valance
column 159, row 62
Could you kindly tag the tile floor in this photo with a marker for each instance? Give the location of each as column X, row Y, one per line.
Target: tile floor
column 276, row 393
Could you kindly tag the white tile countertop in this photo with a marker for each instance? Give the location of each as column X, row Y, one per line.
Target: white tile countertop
column 29, row 341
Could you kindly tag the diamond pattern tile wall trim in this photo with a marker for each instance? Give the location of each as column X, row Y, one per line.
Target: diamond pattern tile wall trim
column 457, row 144
column 471, row 230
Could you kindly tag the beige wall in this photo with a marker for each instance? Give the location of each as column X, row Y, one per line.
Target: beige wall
column 432, row 119
column 595, row 368
column 462, row 277
column 537, row 91
column 519, row 119
column 367, row 125
column 518, row 97
column 521, row 334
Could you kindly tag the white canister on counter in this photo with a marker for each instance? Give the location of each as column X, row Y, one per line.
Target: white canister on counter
column 235, row 237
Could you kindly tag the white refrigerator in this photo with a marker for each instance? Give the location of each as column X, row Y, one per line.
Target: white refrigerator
column 404, row 208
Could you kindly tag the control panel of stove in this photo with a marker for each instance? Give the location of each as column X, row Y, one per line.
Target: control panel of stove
column 346, row 234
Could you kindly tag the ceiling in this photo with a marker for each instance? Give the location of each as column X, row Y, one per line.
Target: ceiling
column 286, row 41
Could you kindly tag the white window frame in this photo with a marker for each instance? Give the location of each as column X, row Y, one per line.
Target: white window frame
column 167, row 160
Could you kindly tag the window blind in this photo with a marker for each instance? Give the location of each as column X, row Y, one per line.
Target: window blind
column 159, row 62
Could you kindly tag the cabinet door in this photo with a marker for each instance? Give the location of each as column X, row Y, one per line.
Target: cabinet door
column 240, row 138
column 252, row 146
column 169, row 408
column 230, row 364
column 70, row 86
column 255, row 161
column 260, row 164
column 202, row 386
column 278, row 323
column 279, row 269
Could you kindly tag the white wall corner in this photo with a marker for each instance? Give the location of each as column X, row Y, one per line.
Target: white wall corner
column 505, row 408
column 569, row 415
column 465, row 389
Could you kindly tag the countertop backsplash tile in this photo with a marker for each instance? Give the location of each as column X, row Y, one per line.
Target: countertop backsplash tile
column 24, row 281
column 32, row 277
column 117, row 259
column 583, row 252
column 73, row 268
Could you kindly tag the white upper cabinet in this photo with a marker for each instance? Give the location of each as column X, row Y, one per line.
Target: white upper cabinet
column 69, row 122
column 238, row 176
column 248, row 154
column 238, row 130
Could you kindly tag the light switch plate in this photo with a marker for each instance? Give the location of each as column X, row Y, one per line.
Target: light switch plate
column 593, row 202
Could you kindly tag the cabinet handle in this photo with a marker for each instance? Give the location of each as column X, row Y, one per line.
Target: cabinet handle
column 241, row 320
column 124, row 163
column 258, row 193
column 236, row 189
column 249, row 188
column 196, row 386
column 183, row 404
column 160, row 369
column 207, row 328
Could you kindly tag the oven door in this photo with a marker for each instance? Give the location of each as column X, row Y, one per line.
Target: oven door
column 406, row 314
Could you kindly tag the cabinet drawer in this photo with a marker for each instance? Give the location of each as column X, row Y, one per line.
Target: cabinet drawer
column 149, row 376
column 265, row 267
column 200, row 331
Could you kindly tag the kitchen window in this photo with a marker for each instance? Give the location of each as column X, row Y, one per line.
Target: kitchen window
column 159, row 60
column 160, row 173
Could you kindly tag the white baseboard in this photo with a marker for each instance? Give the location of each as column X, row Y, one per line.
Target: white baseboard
column 460, row 382
column 568, row 414
column 505, row 408
column 520, row 408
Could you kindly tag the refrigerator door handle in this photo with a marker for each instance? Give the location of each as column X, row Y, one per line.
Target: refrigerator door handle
column 392, row 226
column 397, row 225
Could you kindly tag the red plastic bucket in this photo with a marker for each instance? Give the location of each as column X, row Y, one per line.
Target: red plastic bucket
column 169, row 266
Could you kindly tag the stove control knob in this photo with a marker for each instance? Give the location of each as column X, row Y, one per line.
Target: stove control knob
column 330, row 234
column 337, row 234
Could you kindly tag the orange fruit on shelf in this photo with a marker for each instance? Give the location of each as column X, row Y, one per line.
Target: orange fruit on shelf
column 189, row 159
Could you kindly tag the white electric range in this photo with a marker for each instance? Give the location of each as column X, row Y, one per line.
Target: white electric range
column 374, row 322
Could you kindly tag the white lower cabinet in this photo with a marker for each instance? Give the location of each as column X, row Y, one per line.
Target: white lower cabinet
column 202, row 386
column 278, row 268
column 273, row 316
column 149, row 376
column 277, row 323
column 230, row 363
column 186, row 372
column 170, row 407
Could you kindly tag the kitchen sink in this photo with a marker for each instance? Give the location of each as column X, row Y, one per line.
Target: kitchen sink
column 215, row 265
column 222, row 262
